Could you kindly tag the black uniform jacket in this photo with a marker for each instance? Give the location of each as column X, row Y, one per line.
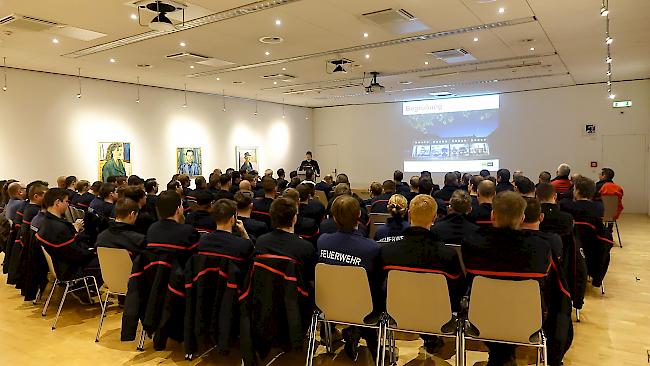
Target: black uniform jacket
column 171, row 237
column 202, row 221
column 121, row 235
column 453, row 228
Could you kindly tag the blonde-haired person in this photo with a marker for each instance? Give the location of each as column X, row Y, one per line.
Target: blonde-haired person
column 396, row 223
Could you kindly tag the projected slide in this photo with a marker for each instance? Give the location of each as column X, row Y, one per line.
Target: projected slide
column 451, row 134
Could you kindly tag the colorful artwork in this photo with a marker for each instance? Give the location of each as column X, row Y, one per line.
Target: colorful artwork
column 188, row 161
column 114, row 159
column 247, row 158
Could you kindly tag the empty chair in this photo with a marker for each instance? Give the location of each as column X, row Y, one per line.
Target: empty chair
column 334, row 283
column 376, row 219
column 611, row 207
column 67, row 284
column 507, row 312
column 115, row 265
column 418, row 303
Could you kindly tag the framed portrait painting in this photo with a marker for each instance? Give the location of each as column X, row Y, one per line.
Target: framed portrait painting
column 188, row 161
column 247, row 158
column 114, row 159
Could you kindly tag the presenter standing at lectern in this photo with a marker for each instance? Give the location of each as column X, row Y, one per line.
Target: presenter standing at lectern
column 308, row 163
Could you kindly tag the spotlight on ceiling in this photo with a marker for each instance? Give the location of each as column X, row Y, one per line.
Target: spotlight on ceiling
column 374, row 86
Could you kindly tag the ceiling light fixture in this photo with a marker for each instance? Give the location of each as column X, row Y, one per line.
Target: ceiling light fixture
column 223, row 96
column 608, row 60
column 612, row 96
column 112, row 60
column 267, row 53
column 218, row 79
column 275, row 83
column 502, row 10
column 365, row 34
column 185, row 95
column 134, row 17
column 367, row 56
column 79, row 80
column 532, row 48
column 609, row 40
column 191, row 66
column 604, row 9
column 426, row 62
column 278, row 22
column 255, row 114
column 182, row 44
column 138, row 85
column 475, row 39
column 55, row 40
column 4, row 69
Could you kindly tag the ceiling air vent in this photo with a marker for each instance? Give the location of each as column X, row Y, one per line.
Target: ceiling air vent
column 187, row 57
column 453, row 56
column 283, row 77
column 398, row 21
column 23, row 22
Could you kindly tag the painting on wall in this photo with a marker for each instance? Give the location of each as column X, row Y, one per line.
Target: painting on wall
column 188, row 161
column 114, row 159
column 247, row 158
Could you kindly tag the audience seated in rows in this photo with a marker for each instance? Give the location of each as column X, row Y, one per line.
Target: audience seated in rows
column 396, row 223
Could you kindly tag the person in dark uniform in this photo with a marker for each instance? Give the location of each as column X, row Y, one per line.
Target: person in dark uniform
column 555, row 220
column 310, row 207
column 70, row 185
column 170, row 234
column 473, row 190
column 451, row 185
column 121, row 233
column 144, row 218
column 255, row 228
column 455, row 226
column 325, row 185
column 306, row 227
column 347, row 248
column 151, row 188
column 103, row 204
column 282, row 183
column 524, row 186
column 225, row 182
column 84, row 197
column 396, row 223
column 482, row 214
column 200, row 218
column 71, row 257
column 379, row 204
column 262, row 206
column 420, row 251
column 414, row 188
column 309, row 163
column 503, row 181
column 533, row 217
column 222, row 240
column 400, row 187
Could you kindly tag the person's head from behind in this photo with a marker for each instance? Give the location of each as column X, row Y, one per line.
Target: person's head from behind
column 606, row 174
column 486, row 190
column 460, row 202
column 203, row 199
column 284, row 213
column 473, row 184
column 328, row 179
column 583, row 188
column 245, row 185
column 342, row 190
column 508, row 210
column 281, row 173
column 112, row 179
column 563, row 170
column 375, row 189
column 484, row 173
column 491, row 179
column 517, row 174
column 108, row 192
column 425, row 185
column 37, row 192
column 60, row 182
column 269, row 186
column 151, row 186
column 16, row 191
column 306, row 191
column 169, row 205
column 224, row 214
column 134, row 180
column 425, row 174
column 532, row 214
column 136, row 194
column 546, row 193
column 200, row 182
column 121, row 180
column 388, row 187
column 97, row 185
column 309, row 175
column 451, row 179
column 175, row 185
column 82, row 186
column 544, row 177
column 126, row 210
column 398, row 176
column 225, row 181
column 70, row 182
column 346, row 211
column 397, row 205
column 293, row 174
column 294, row 182
column 422, row 211
column 414, row 183
column 342, row 178
column 236, row 177
column 244, row 200
column 184, row 179
column 524, row 186
column 268, row 173
column 292, row 194
column 503, row 176
column 308, row 156
column 467, row 177
column 56, row 201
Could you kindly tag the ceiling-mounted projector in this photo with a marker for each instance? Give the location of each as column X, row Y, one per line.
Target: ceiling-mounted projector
column 339, row 65
column 374, row 86
column 161, row 22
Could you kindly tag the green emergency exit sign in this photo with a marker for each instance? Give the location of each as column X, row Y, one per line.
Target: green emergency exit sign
column 622, row 104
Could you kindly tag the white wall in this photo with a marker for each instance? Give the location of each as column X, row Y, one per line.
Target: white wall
column 538, row 130
column 47, row 131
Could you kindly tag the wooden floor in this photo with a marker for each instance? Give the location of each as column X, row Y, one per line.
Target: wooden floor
column 615, row 328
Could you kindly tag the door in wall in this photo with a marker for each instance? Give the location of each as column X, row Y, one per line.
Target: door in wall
column 328, row 159
column 627, row 155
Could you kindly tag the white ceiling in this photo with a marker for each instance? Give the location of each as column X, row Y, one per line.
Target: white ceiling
column 567, row 37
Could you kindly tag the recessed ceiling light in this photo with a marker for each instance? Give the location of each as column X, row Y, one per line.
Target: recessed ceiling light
column 365, row 34
column 278, row 22
column 475, row 39
column 426, row 62
column 191, row 66
column 55, row 40
column 267, row 53
column 367, row 56
column 218, row 79
column 182, row 44
column 112, row 60
column 612, row 96
column 275, row 83
column 532, row 48
column 502, row 10
column 284, row 69
column 134, row 17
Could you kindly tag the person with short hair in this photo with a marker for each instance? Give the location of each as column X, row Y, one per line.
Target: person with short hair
column 71, row 257
column 236, row 178
column 309, row 163
column 225, row 182
column 254, row 228
column 464, row 181
column 482, row 214
column 134, row 180
column 396, row 223
column 544, row 177
column 121, row 180
column 310, row 207
column 309, row 178
column 455, row 226
column 484, row 173
column 451, row 185
column 606, row 187
column 305, row 227
column 379, row 204
column 151, row 189
column 103, row 204
column 200, row 218
column 400, row 187
column 524, row 186
column 414, row 186
column 282, row 182
column 144, row 218
column 420, row 251
column 121, row 233
column 84, row 197
column 17, row 194
column 70, row 186
column 60, row 182
column 222, row 240
column 473, row 189
column 262, row 206
column 555, row 220
column 170, row 234
column 533, row 217
column 325, row 185
column 503, row 181
column 328, row 225
column 347, row 248
column 561, row 182
column 375, row 190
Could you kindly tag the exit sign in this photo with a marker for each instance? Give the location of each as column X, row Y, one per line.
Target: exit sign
column 622, row 104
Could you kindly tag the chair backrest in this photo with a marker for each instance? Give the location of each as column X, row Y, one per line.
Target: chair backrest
column 505, row 310
column 418, row 301
column 115, row 265
column 77, row 213
column 68, row 214
column 611, row 206
column 376, row 219
column 322, row 197
column 343, row 293
column 50, row 264
column 362, row 193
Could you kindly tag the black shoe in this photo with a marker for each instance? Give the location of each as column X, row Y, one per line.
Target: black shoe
column 82, row 297
column 433, row 345
column 351, row 347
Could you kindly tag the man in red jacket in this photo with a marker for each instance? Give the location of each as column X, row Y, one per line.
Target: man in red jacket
column 607, row 187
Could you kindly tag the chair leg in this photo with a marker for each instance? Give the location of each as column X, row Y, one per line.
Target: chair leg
column 311, row 337
column 101, row 317
column 393, row 349
column 328, row 335
column 381, row 343
column 98, row 294
column 578, row 315
column 618, row 233
column 65, row 292
column 38, row 295
column 602, row 288
column 140, row 345
column 88, row 291
column 47, row 302
column 544, row 350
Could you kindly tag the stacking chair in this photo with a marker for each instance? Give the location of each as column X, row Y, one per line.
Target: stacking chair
column 67, row 290
column 334, row 283
column 115, row 265
column 376, row 219
column 418, row 303
column 611, row 205
column 320, row 195
column 507, row 312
